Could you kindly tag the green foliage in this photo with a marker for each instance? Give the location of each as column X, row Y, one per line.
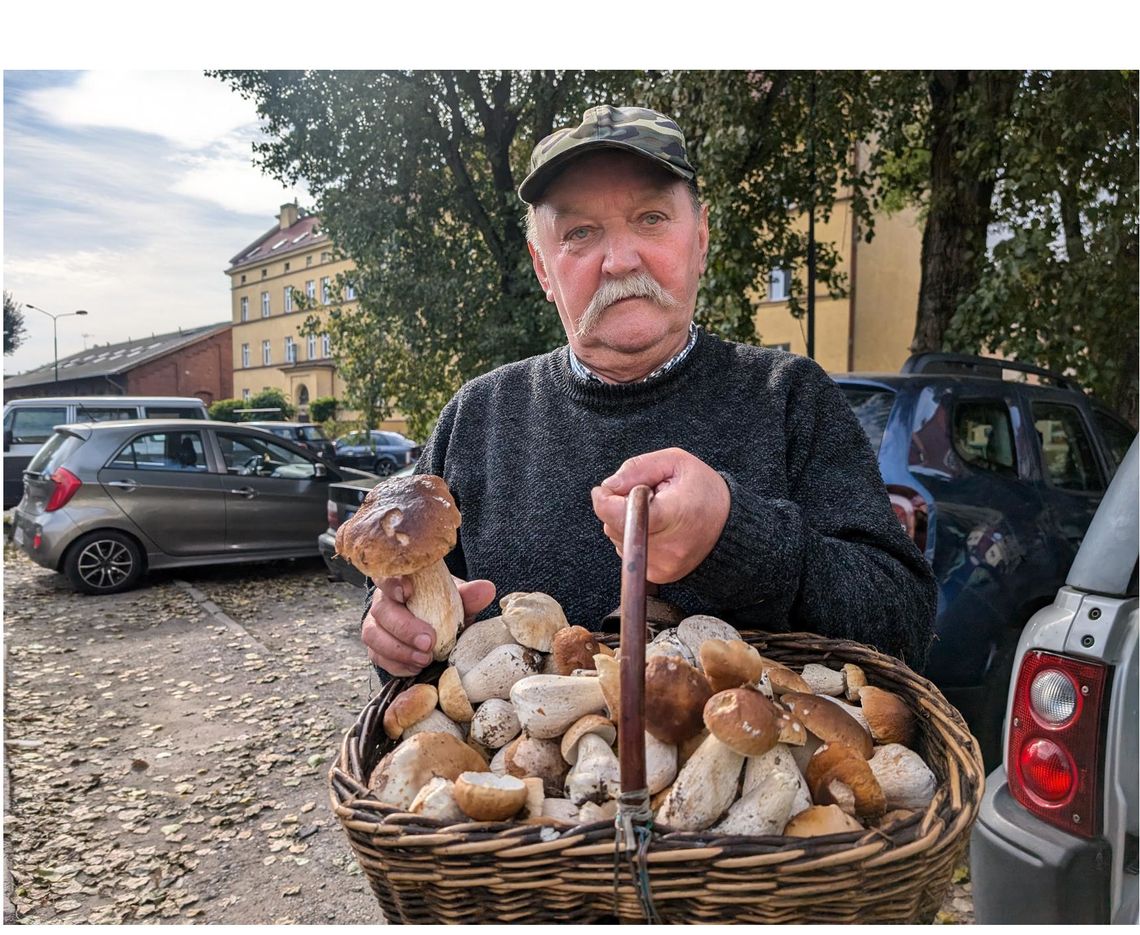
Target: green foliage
column 415, row 175
column 14, row 332
column 271, row 398
column 322, row 408
column 1060, row 287
column 223, row 410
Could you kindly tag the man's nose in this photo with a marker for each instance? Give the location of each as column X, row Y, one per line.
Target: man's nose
column 622, row 256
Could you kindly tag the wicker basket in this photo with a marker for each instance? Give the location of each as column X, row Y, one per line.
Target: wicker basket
column 425, row 872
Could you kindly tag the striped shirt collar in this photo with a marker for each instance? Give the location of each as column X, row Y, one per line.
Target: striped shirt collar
column 583, row 372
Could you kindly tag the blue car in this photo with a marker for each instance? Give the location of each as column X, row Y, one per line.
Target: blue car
column 995, row 469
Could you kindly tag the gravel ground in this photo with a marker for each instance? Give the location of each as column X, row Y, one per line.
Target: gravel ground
column 166, row 749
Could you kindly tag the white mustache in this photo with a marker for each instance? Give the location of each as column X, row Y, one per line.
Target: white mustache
column 633, row 286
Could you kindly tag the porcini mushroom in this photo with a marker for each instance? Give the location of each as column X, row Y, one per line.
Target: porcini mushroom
column 820, row 820
column 660, row 763
column 453, row 700
column 411, row 705
column 496, row 674
column 823, row 680
column 531, row 756
column 574, row 648
column 668, row 643
column 675, row 696
column 548, row 704
column 476, row 641
column 743, row 719
column 704, row 788
column 765, row 809
column 694, row 630
column 405, row 527
column 484, row 796
column 837, row 764
column 587, row 746
column 533, row 618
column 853, row 679
column 782, row 679
column 729, row 663
column 495, row 724
column 888, row 717
column 827, row 721
column 400, row 775
column 779, row 759
column 437, row 800
column 906, row 780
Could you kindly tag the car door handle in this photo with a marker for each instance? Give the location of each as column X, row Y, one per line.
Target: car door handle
column 247, row 492
column 127, row 485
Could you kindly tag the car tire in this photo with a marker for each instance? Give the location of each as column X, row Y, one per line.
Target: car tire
column 103, row 562
column 384, row 467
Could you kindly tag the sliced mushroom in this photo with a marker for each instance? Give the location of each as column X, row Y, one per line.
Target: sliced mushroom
column 484, row 796
column 437, row 800
column 594, row 775
column 533, row 618
column 906, row 780
column 820, row 820
column 400, row 775
column 548, row 704
column 499, row 670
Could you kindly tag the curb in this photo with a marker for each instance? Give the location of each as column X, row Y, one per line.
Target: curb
column 204, row 601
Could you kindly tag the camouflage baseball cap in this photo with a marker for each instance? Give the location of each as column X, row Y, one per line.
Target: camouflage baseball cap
column 636, row 129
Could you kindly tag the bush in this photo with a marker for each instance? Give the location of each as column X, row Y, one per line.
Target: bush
column 269, row 399
column 223, row 410
column 322, row 409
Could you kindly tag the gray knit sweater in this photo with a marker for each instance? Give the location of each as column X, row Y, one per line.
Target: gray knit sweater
column 811, row 542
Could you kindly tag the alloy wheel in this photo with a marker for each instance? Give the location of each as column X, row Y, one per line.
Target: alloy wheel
column 104, row 564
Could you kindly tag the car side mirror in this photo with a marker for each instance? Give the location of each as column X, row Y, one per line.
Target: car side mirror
column 320, row 472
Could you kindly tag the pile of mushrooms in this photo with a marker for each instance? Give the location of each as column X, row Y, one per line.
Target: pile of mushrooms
column 522, row 725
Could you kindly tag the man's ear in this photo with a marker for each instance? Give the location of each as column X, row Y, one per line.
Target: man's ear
column 703, row 237
column 539, row 268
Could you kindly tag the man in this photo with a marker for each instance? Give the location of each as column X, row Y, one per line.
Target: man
column 768, row 507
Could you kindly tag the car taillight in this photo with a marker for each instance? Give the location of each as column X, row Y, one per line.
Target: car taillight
column 66, row 484
column 910, row 510
column 333, row 514
column 1055, row 739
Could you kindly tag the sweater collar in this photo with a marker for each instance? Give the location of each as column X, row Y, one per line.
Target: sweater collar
column 582, row 372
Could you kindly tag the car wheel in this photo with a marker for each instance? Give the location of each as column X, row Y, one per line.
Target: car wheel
column 385, row 467
column 103, row 563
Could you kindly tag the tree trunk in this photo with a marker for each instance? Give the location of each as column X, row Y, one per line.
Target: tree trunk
column 961, row 192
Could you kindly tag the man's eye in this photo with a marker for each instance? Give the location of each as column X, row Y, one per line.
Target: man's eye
column 653, row 218
column 578, row 233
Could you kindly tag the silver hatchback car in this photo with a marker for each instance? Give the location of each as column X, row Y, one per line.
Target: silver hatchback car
column 105, row 502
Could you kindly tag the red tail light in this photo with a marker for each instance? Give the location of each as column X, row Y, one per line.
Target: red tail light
column 333, row 515
column 66, row 484
column 910, row 510
column 1055, row 739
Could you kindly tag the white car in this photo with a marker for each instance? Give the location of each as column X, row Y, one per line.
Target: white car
column 1056, row 836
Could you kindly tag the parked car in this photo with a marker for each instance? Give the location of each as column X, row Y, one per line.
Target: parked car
column 104, row 502
column 28, row 423
column 381, row 453
column 1056, row 837
column 343, row 501
column 304, row 434
column 996, row 480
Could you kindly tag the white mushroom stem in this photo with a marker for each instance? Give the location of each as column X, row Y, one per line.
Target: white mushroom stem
column 437, row 800
column 476, row 641
column 906, row 780
column 595, row 777
column 704, row 788
column 764, row 810
column 822, row 680
column 548, row 704
column 498, row 671
column 562, row 809
column 660, row 763
column 435, row 600
column 758, row 770
column 435, row 721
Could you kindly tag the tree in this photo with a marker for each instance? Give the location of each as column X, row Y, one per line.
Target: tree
column 224, row 410
column 1060, row 287
column 14, row 332
column 415, row 176
column 322, row 408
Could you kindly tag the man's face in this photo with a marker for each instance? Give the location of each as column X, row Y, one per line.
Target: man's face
column 608, row 217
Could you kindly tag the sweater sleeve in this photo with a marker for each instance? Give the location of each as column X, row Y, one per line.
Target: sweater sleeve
column 831, row 558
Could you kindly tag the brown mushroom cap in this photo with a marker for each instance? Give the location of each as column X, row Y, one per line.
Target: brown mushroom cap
column 890, row 720
column 409, row 767
column 729, row 663
column 487, row 797
column 533, row 618
column 609, row 677
column 781, row 678
column 837, row 762
column 853, row 678
column 403, row 525
column 453, row 700
column 675, row 696
column 744, row 720
column 829, row 722
column 590, row 724
column 574, row 648
column 409, row 707
column 819, row 820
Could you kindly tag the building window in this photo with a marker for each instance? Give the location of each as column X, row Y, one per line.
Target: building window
column 245, row 308
column 308, row 261
column 325, row 349
column 265, row 305
column 266, row 353
column 349, row 291
column 290, row 350
column 286, row 267
column 325, row 296
column 288, row 299
column 245, row 355
column 243, row 279
column 312, row 347
column 245, row 395
column 326, row 257
column 778, row 285
column 311, row 288
column 264, row 272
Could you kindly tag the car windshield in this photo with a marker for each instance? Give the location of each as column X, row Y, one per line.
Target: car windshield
column 872, row 407
column 312, row 433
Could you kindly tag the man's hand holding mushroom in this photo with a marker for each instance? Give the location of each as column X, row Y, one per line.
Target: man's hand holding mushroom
column 398, row 538
column 690, row 507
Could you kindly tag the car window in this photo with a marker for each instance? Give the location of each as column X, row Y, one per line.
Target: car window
column 105, row 413
column 983, row 435
column 1066, row 449
column 54, row 453
column 872, row 407
column 249, row 456
column 312, row 433
column 1117, row 437
column 174, row 412
column 162, row 451
column 34, row 426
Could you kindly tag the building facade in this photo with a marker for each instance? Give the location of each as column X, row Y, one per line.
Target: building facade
column 187, row 362
column 287, row 274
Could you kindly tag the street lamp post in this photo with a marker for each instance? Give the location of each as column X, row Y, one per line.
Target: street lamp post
column 55, row 329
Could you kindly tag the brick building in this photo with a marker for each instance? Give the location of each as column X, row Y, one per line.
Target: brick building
column 188, row 362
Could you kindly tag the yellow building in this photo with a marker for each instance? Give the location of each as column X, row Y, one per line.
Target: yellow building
column 294, row 258
column 871, row 329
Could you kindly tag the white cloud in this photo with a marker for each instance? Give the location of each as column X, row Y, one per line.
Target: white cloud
column 184, row 107
column 231, row 182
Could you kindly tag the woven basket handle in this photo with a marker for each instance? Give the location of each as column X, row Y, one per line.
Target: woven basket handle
column 631, row 724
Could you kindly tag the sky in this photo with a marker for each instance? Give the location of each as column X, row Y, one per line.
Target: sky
column 128, row 174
